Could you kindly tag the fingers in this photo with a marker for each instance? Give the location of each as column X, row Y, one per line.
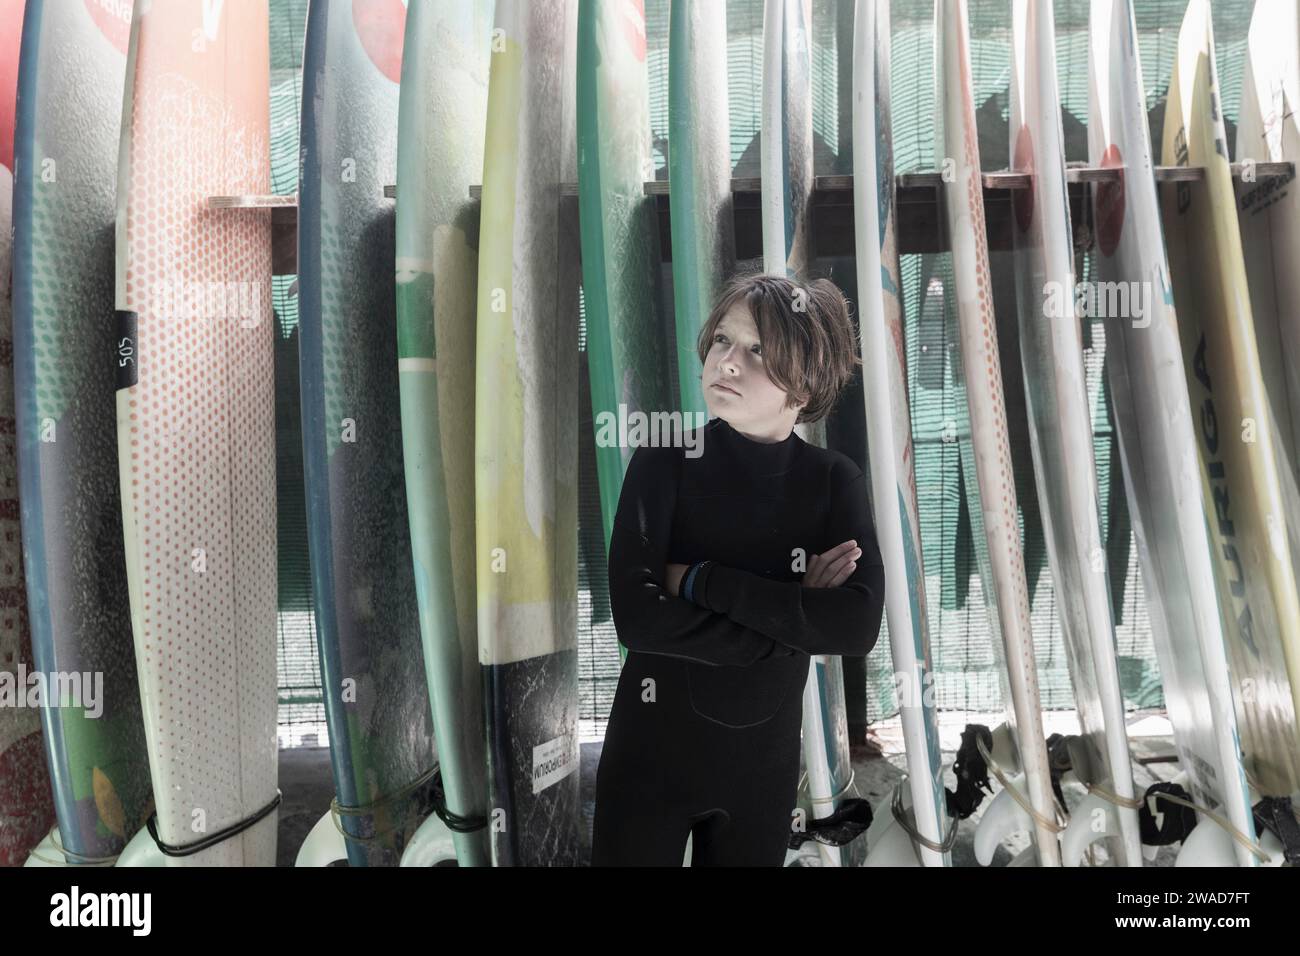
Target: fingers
column 840, row 550
column 832, row 568
column 840, row 571
column 844, row 574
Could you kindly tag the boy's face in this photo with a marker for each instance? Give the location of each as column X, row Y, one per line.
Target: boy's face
column 751, row 403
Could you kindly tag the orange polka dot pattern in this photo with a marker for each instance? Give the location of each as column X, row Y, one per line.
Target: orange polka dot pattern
column 197, row 432
column 988, row 411
column 988, row 416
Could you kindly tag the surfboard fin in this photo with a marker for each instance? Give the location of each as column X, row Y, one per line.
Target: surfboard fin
column 1004, row 817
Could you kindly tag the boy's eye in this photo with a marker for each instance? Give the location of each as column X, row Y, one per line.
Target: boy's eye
column 719, row 337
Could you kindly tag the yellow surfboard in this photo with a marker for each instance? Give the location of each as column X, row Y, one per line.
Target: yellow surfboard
column 1235, row 437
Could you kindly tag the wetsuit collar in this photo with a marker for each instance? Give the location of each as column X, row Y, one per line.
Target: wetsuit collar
column 769, row 456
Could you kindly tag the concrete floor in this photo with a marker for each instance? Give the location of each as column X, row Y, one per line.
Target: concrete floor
column 307, row 784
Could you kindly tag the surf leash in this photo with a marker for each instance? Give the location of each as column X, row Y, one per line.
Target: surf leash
column 1131, row 803
column 189, row 849
column 71, row 856
column 849, row 821
column 1059, row 763
column 1163, row 827
column 905, row 818
column 338, row 810
column 1277, row 815
column 1175, row 826
column 455, row 823
column 803, row 786
column 1051, row 826
column 972, row 775
column 841, row 828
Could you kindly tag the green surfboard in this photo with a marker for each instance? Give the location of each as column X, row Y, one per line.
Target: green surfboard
column 441, row 125
column 367, row 618
column 699, row 176
column 627, row 351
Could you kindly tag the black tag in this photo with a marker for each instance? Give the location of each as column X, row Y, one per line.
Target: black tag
column 127, row 354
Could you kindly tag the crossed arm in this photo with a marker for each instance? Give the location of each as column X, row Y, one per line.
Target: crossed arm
column 742, row 617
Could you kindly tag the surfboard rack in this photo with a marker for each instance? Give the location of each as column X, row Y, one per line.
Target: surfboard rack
column 253, row 202
column 284, row 226
column 920, row 214
column 919, row 211
column 917, row 195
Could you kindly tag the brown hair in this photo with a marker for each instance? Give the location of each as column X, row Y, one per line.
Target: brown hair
column 809, row 343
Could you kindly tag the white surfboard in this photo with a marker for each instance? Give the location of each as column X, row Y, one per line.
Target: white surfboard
column 1268, row 131
column 889, row 436
column 196, row 421
column 1007, row 595
column 786, row 161
column 1060, row 432
column 1154, row 420
column 1235, row 435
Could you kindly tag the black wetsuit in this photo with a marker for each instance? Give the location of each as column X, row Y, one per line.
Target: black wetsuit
column 704, row 732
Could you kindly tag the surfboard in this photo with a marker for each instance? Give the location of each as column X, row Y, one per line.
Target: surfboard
column 196, row 421
column 69, row 126
column 699, row 177
column 786, row 159
column 1154, row 422
column 1268, row 213
column 1006, row 590
column 1060, row 432
column 786, row 166
column 367, row 614
column 1236, row 441
column 889, row 433
column 26, row 804
column 441, row 127
column 525, row 452
column 627, row 350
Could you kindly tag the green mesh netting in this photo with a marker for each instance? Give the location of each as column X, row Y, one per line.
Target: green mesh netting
column 301, row 707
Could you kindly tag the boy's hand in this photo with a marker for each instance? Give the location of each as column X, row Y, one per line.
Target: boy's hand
column 832, row 568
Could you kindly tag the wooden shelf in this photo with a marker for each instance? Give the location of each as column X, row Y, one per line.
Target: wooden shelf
column 919, row 219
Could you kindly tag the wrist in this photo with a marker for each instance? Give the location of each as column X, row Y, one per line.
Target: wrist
column 693, row 582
